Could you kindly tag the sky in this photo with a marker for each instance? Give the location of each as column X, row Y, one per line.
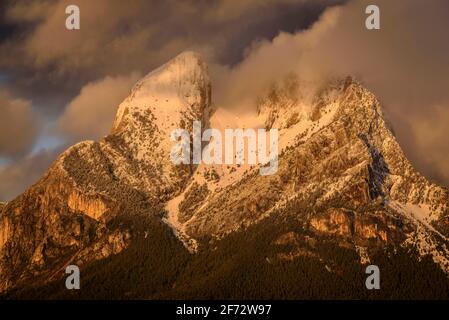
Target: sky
column 58, row 87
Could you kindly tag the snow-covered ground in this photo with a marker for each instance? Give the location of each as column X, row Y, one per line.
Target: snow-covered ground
column 179, row 229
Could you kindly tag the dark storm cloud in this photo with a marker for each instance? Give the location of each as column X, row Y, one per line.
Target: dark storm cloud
column 118, row 37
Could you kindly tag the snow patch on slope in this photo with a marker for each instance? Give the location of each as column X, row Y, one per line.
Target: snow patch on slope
column 423, row 239
column 171, row 219
column 418, row 212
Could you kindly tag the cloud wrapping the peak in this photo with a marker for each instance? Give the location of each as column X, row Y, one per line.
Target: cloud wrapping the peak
column 405, row 64
column 90, row 114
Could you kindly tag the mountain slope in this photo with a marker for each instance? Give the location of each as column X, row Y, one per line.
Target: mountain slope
column 64, row 217
column 338, row 157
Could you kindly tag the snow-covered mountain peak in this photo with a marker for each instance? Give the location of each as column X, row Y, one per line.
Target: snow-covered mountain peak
column 179, row 87
column 168, row 98
column 181, row 77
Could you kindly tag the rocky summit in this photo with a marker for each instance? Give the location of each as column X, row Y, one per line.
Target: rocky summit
column 138, row 226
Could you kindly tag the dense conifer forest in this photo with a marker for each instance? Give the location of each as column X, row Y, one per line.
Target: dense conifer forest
column 244, row 265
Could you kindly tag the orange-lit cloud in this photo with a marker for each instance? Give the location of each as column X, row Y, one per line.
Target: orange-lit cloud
column 91, row 113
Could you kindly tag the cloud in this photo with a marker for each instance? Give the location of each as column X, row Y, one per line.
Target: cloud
column 18, row 176
column 90, row 115
column 430, row 135
column 404, row 64
column 268, row 61
column 138, row 35
column 18, row 126
column 225, row 10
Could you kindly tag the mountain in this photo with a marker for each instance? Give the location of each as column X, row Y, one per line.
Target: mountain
column 64, row 217
column 344, row 196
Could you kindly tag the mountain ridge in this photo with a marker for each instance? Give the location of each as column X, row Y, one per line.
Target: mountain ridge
column 341, row 170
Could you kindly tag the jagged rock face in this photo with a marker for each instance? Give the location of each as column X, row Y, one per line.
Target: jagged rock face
column 63, row 218
column 352, row 155
column 40, row 230
column 362, row 228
